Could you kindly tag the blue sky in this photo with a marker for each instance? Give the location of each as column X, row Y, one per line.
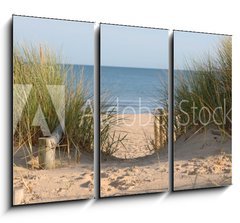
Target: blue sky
column 74, row 41
column 134, row 47
column 120, row 45
column 190, row 45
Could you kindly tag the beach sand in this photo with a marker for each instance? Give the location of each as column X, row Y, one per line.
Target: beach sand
column 135, row 169
column 70, row 180
column 202, row 160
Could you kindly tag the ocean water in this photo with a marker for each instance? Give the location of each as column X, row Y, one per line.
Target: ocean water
column 128, row 90
column 133, row 90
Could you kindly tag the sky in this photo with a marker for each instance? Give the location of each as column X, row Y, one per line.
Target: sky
column 190, row 45
column 120, row 45
column 134, row 47
column 74, row 41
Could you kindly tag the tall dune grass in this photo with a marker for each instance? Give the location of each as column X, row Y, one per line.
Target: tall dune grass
column 110, row 138
column 207, row 84
column 42, row 68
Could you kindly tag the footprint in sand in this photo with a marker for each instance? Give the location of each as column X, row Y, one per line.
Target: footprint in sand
column 123, row 183
column 104, row 175
column 86, row 184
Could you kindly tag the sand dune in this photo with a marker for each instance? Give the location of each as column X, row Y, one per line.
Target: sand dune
column 202, row 160
column 136, row 169
column 69, row 181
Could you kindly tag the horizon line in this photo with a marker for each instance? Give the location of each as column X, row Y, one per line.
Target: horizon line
column 156, row 68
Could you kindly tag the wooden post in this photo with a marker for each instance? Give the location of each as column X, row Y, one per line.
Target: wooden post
column 156, row 132
column 177, row 128
column 47, row 148
column 46, row 153
column 159, row 131
column 174, row 135
column 18, row 195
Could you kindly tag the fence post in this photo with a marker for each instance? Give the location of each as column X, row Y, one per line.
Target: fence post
column 159, row 132
column 18, row 195
column 47, row 148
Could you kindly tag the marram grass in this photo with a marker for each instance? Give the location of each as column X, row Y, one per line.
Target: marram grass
column 205, row 82
column 41, row 67
column 203, row 95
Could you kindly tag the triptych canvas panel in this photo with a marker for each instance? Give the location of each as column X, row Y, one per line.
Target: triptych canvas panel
column 134, row 95
column 53, row 110
column 202, row 110
column 53, row 77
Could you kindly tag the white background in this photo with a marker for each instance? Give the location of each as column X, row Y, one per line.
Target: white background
column 215, row 205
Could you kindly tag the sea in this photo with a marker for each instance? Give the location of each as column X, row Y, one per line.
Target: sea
column 129, row 90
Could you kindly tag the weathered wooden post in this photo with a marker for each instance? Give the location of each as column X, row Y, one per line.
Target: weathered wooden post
column 47, row 149
column 159, row 131
column 18, row 195
column 46, row 153
column 175, row 124
column 177, row 128
column 156, row 131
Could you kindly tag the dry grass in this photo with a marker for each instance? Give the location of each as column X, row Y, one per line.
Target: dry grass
column 40, row 70
column 207, row 84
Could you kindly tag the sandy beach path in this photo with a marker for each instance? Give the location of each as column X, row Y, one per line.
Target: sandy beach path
column 135, row 169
